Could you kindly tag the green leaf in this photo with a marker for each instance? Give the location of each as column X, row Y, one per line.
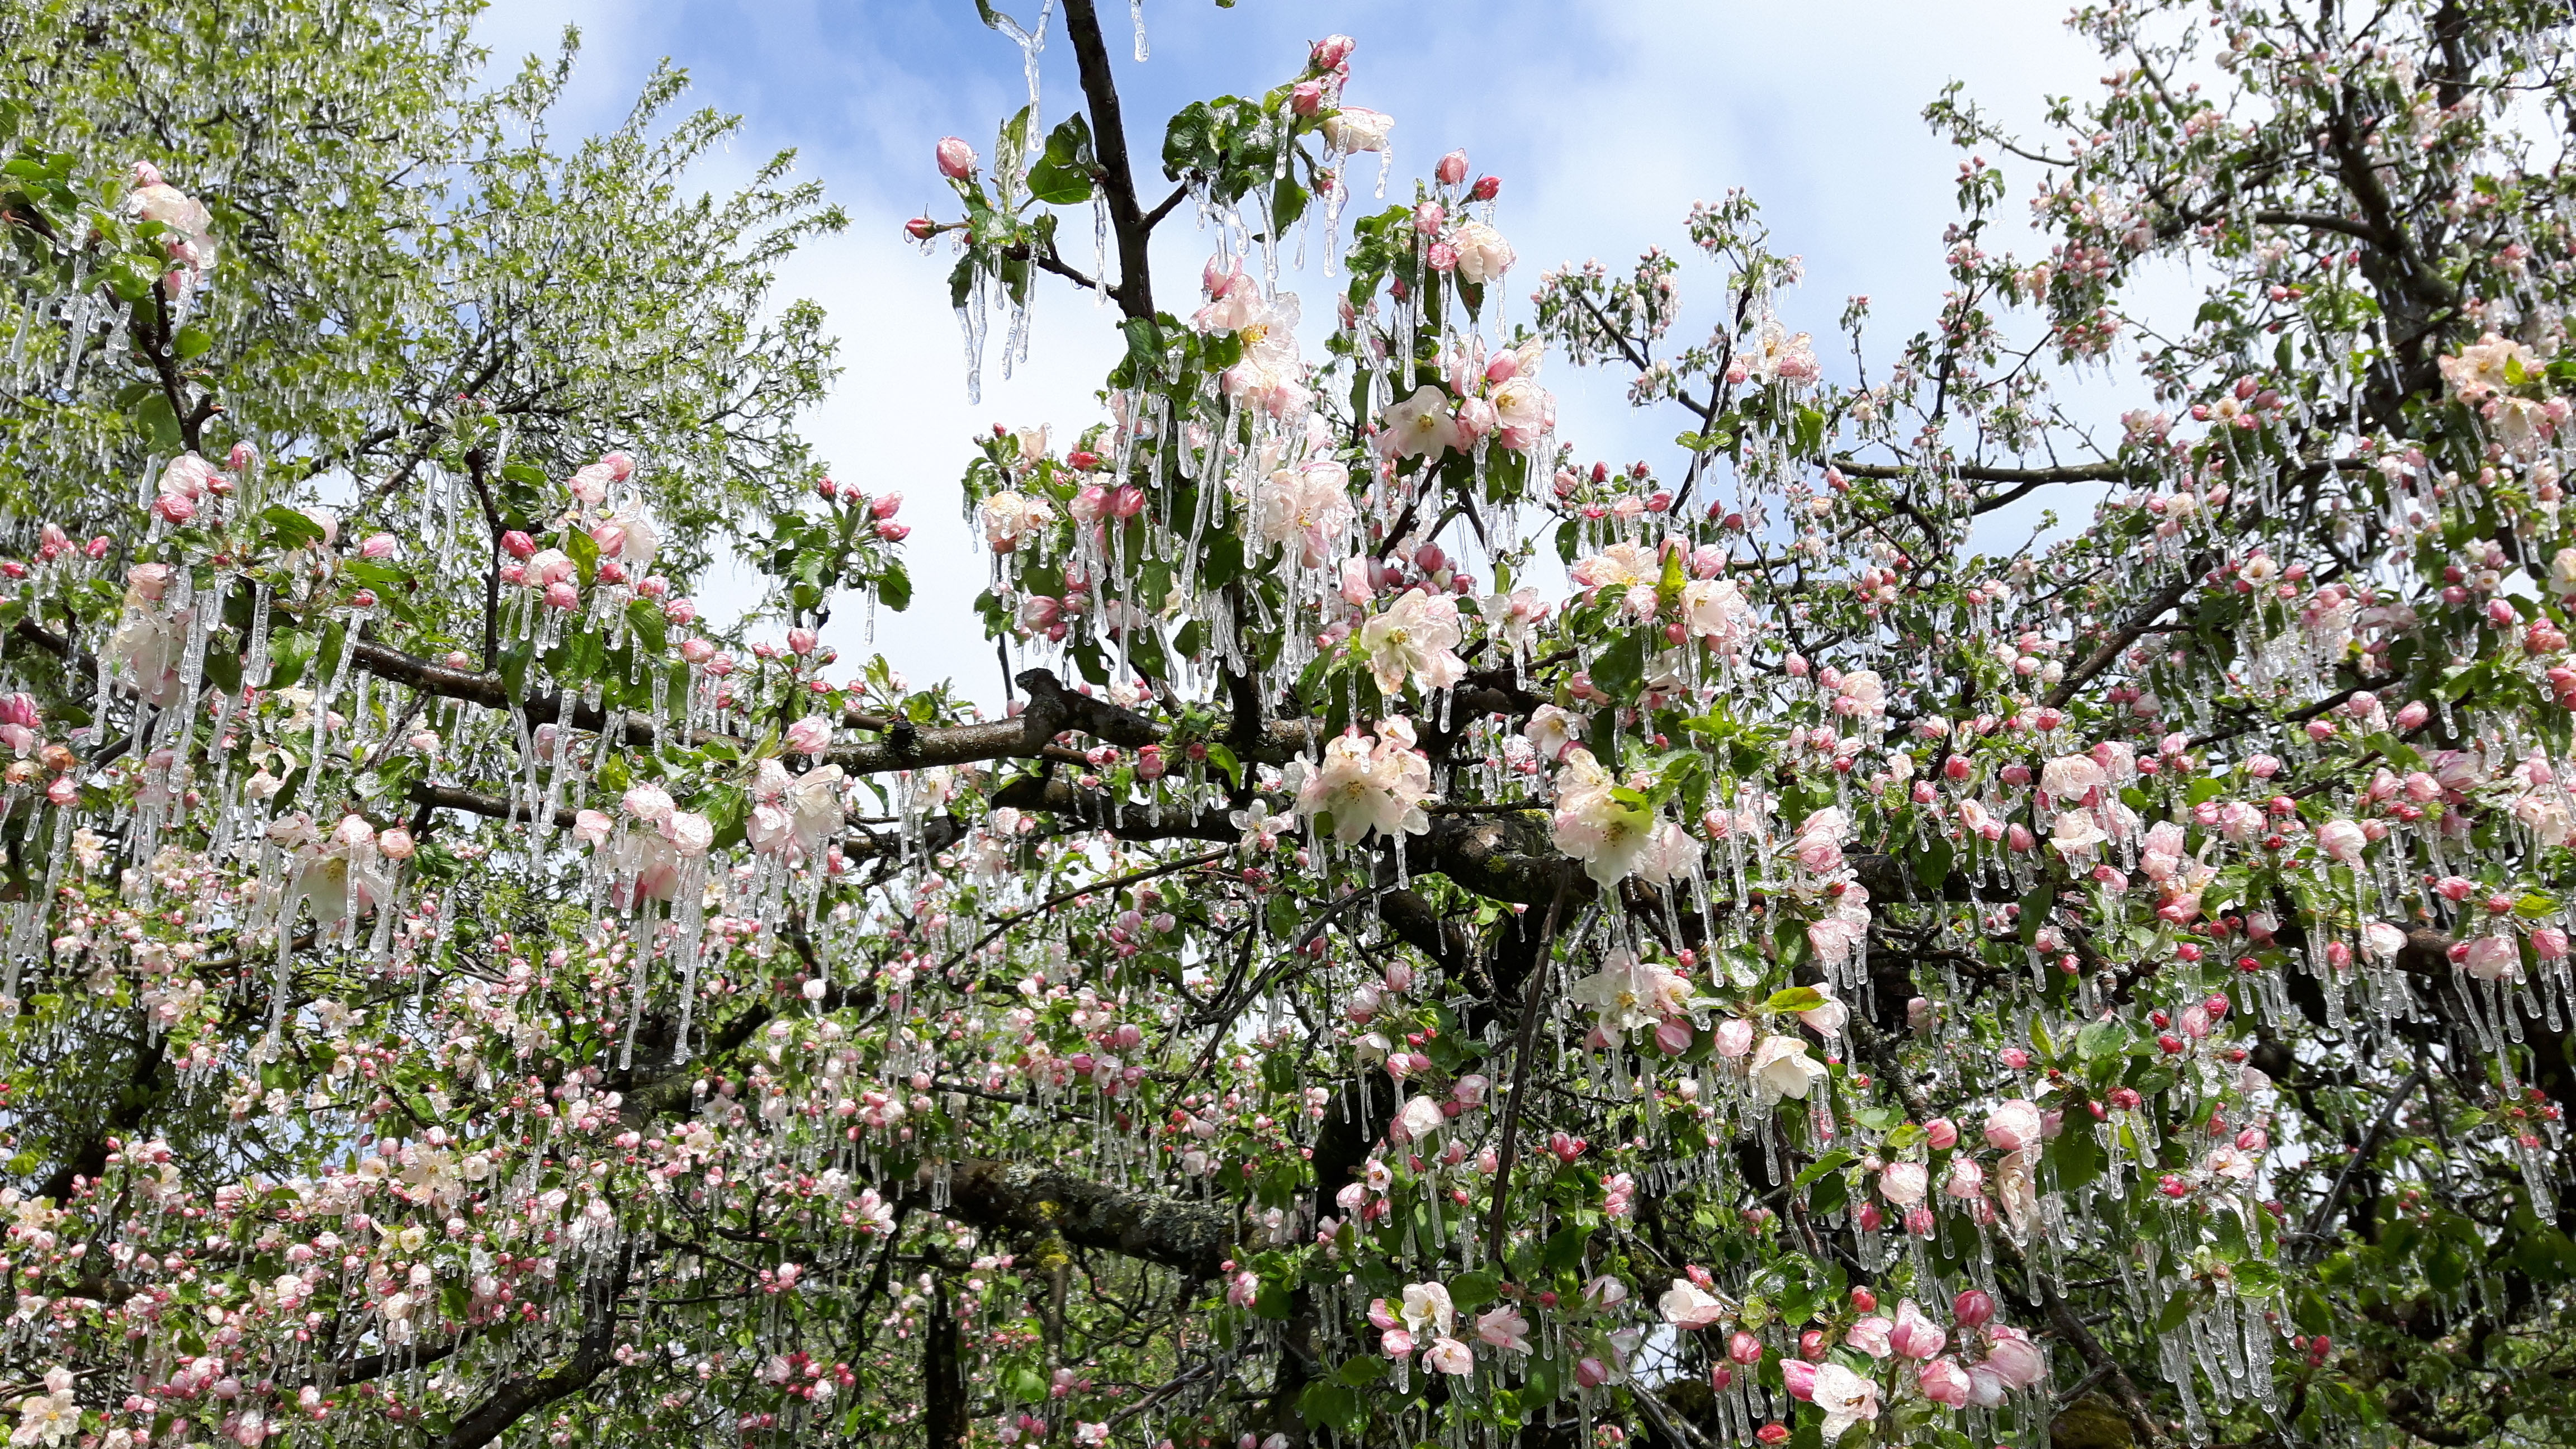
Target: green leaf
column 192, row 340
column 1832, row 1161
column 644, row 619
column 2034, row 910
column 1224, row 561
column 1620, row 668
column 159, row 423
column 1795, row 998
column 290, row 527
column 2102, row 1039
column 894, row 586
column 584, row 551
column 1336, row 1405
column 1221, row 758
column 1063, row 176
column 2077, row 1155
column 1932, row 865
column 1470, row 1291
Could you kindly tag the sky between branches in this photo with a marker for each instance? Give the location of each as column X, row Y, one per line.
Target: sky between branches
column 1605, row 119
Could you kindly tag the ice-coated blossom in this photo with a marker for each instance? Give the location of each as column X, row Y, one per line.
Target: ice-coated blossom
column 1687, row 1305
column 1784, row 1069
column 1621, row 568
column 1904, row 1183
column 1449, row 1356
column 1483, row 255
column 1420, row 426
column 1416, row 639
column 795, row 814
column 2482, row 368
column 1504, row 1327
column 1352, row 130
column 1606, row 827
column 1846, row 1397
column 1428, row 1305
column 1366, row 784
column 1627, row 993
column 1011, row 518
column 1715, row 610
column 1310, row 506
column 1420, row 1117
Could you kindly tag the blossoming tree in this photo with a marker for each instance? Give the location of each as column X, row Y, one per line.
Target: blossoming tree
column 1450, row 942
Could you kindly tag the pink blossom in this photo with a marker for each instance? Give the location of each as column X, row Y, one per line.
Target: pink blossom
column 1915, row 1336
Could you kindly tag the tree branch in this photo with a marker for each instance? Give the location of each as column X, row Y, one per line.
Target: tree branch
column 1135, row 289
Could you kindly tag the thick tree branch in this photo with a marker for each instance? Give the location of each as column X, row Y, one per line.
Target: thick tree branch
column 1135, row 289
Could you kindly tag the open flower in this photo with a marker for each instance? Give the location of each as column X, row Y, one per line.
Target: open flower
column 1309, row 506
column 1628, row 993
column 1367, row 785
column 1427, row 1305
column 1783, row 1069
column 1687, row 1305
column 1449, row 1356
column 1598, row 823
column 1419, row 426
column 1504, row 1327
column 1846, row 1398
column 1416, row 638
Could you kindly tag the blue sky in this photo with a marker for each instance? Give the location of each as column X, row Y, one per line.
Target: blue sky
column 1605, row 119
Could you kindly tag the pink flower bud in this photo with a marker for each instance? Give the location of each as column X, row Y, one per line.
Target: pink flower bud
column 396, row 843
column 1799, row 1378
column 1591, row 1372
column 893, row 532
column 697, row 651
column 1974, row 1308
column 562, row 596
column 1943, row 1382
column 379, row 545
column 1307, row 97
column 1452, row 168
column 956, row 159
column 1942, row 1133
column 1331, row 52
column 800, row 641
column 518, row 545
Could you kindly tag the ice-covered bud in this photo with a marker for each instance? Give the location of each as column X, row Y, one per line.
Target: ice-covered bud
column 1332, row 52
column 1487, row 188
column 887, row 505
column 518, row 545
column 1452, row 168
column 801, row 641
column 377, row 546
column 562, row 596
column 2412, row 717
column 396, row 843
column 956, row 158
